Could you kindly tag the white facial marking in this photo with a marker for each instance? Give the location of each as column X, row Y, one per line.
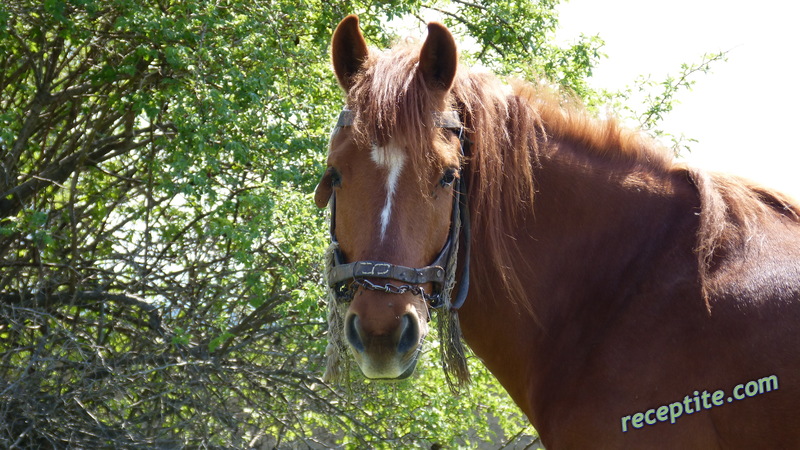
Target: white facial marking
column 392, row 159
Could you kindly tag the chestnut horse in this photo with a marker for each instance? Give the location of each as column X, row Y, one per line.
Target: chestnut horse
column 623, row 300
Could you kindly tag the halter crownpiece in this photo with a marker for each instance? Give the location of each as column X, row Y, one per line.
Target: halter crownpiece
column 446, row 119
column 344, row 278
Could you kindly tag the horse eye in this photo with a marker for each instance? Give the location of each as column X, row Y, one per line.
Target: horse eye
column 449, row 177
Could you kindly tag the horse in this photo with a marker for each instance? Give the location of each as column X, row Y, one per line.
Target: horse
column 621, row 298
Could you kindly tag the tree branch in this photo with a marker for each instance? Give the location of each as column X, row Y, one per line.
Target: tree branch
column 62, row 298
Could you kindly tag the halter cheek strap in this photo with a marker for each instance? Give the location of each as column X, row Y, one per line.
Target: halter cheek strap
column 343, row 277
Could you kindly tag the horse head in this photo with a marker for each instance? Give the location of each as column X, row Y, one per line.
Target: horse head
column 392, row 181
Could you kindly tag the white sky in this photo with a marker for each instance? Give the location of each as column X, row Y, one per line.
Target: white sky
column 746, row 112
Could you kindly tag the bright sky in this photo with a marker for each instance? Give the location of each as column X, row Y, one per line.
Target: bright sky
column 746, row 112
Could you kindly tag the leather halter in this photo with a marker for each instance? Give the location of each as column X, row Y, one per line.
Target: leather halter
column 344, row 278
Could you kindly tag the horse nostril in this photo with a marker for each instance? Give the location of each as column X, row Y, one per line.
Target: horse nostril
column 353, row 333
column 409, row 334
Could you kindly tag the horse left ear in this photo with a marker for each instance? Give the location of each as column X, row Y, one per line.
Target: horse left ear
column 438, row 59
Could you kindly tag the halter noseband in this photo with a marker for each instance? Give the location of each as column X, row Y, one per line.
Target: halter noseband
column 344, row 278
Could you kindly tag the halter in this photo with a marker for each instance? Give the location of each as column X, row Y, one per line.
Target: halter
column 345, row 278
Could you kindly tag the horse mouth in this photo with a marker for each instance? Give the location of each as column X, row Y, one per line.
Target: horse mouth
column 406, row 374
column 387, row 356
column 396, row 368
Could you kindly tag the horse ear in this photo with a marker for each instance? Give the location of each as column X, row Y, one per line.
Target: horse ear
column 438, row 59
column 348, row 51
column 324, row 190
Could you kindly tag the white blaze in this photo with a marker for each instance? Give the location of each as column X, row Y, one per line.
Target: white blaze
column 392, row 159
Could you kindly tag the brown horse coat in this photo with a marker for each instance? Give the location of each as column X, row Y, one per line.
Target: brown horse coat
column 623, row 300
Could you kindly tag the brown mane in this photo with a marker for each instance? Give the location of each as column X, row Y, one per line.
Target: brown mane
column 511, row 128
column 732, row 212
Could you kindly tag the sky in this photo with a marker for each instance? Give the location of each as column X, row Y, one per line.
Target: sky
column 746, row 112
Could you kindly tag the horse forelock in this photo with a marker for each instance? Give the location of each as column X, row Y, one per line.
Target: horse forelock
column 392, row 104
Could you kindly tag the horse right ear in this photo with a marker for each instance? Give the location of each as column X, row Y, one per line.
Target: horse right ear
column 438, row 58
column 348, row 51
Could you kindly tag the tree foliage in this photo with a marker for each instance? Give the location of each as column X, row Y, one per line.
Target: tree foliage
column 159, row 250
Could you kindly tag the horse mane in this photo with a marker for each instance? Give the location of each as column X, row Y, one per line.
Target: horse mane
column 732, row 212
column 510, row 127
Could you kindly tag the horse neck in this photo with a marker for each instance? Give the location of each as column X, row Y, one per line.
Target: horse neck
column 595, row 234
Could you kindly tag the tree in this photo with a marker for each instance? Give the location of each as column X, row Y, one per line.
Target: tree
column 152, row 225
column 159, row 249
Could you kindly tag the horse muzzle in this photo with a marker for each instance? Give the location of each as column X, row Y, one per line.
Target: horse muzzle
column 386, row 349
